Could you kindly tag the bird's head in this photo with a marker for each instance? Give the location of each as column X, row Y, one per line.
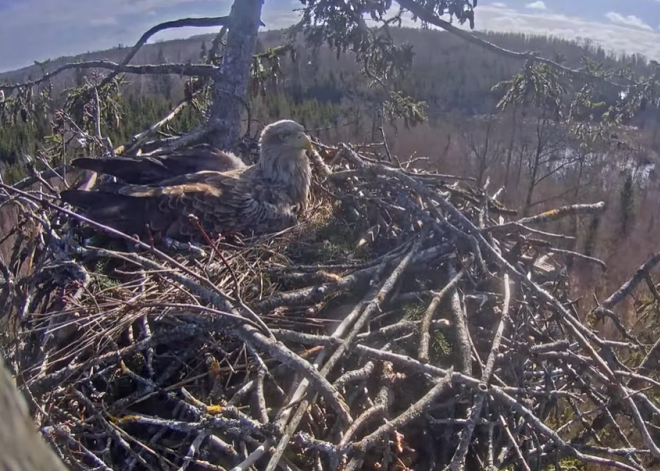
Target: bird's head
column 285, row 134
column 283, row 159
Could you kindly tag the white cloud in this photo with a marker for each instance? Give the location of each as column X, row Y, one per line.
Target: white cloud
column 539, row 5
column 629, row 20
column 612, row 37
column 63, row 26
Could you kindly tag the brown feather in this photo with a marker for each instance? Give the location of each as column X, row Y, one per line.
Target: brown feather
column 262, row 198
column 146, row 170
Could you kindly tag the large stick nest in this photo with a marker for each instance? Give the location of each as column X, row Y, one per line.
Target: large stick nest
column 408, row 322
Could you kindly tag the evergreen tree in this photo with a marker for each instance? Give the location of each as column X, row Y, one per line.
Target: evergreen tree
column 627, row 197
column 163, row 83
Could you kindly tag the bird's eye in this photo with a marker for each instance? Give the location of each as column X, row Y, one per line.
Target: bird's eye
column 283, row 136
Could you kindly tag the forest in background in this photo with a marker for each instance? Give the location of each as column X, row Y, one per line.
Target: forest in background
column 525, row 150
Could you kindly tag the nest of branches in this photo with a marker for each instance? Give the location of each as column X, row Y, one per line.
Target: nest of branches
column 409, row 321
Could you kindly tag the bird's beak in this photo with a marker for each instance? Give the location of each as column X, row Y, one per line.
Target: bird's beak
column 306, row 141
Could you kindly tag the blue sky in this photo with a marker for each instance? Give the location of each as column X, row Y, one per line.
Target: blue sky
column 38, row 29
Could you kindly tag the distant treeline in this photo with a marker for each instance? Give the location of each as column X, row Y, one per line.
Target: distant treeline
column 449, row 75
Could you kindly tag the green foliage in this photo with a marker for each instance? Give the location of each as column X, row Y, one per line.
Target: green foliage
column 342, row 27
column 585, row 94
column 163, row 83
column 125, row 118
column 312, row 112
column 413, row 311
column 332, row 240
column 537, row 85
column 638, row 95
column 400, row 106
column 447, row 73
column 567, row 464
column 84, row 104
column 14, row 173
column 340, row 24
column 19, row 139
column 399, row 73
column 441, row 348
column 266, row 71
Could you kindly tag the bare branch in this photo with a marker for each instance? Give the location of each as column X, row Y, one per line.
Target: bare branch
column 629, row 286
column 191, row 70
column 425, row 327
column 429, row 17
column 551, row 215
column 182, row 23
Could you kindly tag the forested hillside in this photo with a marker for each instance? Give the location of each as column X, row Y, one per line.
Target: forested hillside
column 448, row 74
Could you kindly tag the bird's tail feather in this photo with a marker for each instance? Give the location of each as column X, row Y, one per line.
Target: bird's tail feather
column 86, row 199
column 121, row 212
column 133, row 171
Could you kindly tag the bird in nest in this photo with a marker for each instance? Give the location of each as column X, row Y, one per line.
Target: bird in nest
column 262, row 198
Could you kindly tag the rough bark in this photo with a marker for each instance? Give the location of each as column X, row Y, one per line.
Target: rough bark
column 21, row 446
column 231, row 80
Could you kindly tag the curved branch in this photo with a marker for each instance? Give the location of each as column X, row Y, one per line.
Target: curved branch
column 182, row 23
column 429, row 17
column 124, row 67
column 193, row 70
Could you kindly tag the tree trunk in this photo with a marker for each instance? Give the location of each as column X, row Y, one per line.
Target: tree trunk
column 509, row 156
column 21, row 445
column 532, row 184
column 231, row 80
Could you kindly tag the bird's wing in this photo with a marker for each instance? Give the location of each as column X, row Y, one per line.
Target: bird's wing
column 148, row 170
column 199, row 158
column 132, row 170
column 222, row 202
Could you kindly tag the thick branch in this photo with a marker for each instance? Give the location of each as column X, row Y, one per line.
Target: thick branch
column 429, row 17
column 123, row 67
column 182, row 23
column 193, row 70
column 629, row 286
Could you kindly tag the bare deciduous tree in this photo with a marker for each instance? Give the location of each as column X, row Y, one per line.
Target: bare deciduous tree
column 484, row 144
